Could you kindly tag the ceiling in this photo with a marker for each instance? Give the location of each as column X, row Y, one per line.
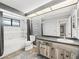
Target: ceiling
column 25, row 5
column 59, row 13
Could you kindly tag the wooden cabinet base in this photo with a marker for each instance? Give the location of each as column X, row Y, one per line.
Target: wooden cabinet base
column 57, row 51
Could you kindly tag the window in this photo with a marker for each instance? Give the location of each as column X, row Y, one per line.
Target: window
column 6, row 21
column 11, row 22
column 15, row 22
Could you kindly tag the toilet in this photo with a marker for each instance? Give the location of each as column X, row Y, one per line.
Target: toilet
column 29, row 44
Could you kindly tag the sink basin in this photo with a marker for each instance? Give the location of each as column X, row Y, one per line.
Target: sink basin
column 65, row 40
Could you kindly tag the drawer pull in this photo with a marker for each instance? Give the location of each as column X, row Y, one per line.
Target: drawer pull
column 51, row 56
column 52, row 48
column 62, row 54
column 67, row 56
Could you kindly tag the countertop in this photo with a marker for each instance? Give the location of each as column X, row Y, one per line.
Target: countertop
column 53, row 39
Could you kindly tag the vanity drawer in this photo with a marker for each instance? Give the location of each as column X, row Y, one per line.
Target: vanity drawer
column 66, row 47
column 67, row 55
column 60, row 53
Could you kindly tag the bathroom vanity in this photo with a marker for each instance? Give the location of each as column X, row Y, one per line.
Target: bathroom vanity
column 52, row 48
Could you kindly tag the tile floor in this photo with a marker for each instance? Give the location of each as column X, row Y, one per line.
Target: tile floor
column 26, row 55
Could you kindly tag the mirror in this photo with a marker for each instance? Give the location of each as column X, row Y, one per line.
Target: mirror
column 60, row 22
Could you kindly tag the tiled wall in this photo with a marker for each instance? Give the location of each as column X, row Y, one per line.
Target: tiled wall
column 14, row 38
column 50, row 27
column 12, row 32
column 36, row 26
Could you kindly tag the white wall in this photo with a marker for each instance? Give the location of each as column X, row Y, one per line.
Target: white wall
column 51, row 24
column 36, row 25
column 50, row 27
column 14, row 37
column 12, row 32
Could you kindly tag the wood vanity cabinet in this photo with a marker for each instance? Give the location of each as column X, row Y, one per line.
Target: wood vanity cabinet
column 57, row 50
column 44, row 48
column 63, row 54
column 65, row 51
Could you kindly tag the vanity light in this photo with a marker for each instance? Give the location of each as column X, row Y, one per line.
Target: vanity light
column 63, row 4
column 39, row 12
column 43, row 11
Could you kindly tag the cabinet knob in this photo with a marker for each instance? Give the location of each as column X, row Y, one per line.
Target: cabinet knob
column 51, row 56
column 62, row 54
column 67, row 56
column 52, row 48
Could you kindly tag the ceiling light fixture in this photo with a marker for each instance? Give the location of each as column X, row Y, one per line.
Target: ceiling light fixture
column 43, row 11
column 57, row 6
column 63, row 4
column 32, row 15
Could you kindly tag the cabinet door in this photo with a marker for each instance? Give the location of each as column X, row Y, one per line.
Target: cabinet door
column 74, row 55
column 48, row 50
column 60, row 54
column 38, row 46
column 43, row 50
column 67, row 55
column 53, row 54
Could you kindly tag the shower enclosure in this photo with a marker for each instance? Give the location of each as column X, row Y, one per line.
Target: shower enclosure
column 1, row 35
